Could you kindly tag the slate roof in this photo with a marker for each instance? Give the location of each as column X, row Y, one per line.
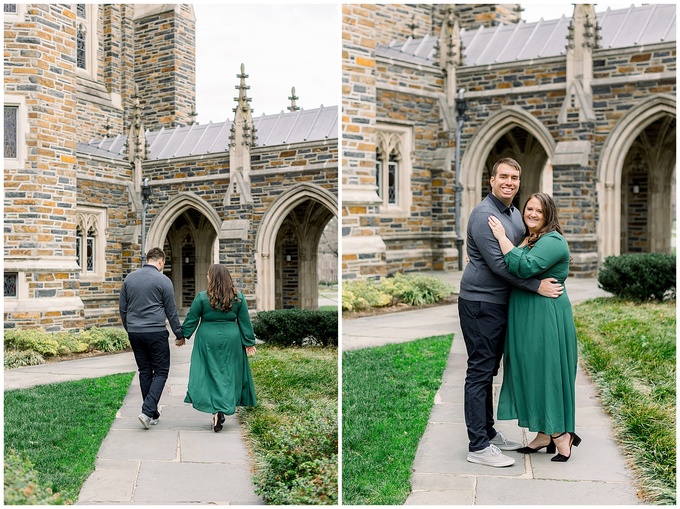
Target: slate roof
column 620, row 28
column 200, row 139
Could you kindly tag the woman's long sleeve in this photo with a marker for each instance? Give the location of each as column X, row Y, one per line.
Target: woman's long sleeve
column 243, row 319
column 547, row 252
column 192, row 319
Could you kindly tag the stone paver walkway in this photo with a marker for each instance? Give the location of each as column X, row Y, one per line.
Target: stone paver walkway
column 595, row 475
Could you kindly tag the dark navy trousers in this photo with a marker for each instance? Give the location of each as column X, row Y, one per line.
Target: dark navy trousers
column 484, row 325
column 152, row 353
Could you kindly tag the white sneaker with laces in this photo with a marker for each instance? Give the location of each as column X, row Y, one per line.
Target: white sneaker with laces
column 491, row 456
column 502, row 442
column 145, row 420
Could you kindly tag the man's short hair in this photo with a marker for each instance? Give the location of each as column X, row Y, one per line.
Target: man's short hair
column 155, row 253
column 506, row 160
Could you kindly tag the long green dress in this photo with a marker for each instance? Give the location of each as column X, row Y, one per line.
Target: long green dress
column 540, row 348
column 219, row 375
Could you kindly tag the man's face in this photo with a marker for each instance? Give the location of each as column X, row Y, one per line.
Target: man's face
column 505, row 184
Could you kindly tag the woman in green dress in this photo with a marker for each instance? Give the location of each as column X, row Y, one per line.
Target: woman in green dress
column 219, row 375
column 540, row 354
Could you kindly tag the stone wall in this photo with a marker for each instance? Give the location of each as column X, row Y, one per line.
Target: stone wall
column 165, row 66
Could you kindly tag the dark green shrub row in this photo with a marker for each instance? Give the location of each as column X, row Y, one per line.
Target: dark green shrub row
column 24, row 347
column 639, row 276
column 21, row 484
column 297, row 327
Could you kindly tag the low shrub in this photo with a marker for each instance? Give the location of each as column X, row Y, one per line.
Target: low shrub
column 411, row 289
column 639, row 276
column 18, row 358
column 297, row 327
column 358, row 295
column 27, row 347
column 21, row 483
column 38, row 340
column 106, row 339
column 300, row 465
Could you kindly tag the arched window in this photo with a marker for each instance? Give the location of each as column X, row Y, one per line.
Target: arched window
column 90, row 242
column 393, row 168
column 86, row 38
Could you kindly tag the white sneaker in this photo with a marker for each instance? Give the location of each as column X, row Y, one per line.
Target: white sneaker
column 491, row 456
column 502, row 442
column 155, row 421
column 145, row 420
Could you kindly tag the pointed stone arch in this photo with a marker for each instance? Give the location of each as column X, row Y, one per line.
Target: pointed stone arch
column 160, row 226
column 483, row 142
column 265, row 241
column 610, row 168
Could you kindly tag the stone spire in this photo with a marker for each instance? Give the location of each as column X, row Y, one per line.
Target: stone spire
column 137, row 150
column 582, row 40
column 293, row 106
column 450, row 52
column 241, row 140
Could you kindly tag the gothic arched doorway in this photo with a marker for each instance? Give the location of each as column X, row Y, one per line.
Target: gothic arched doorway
column 186, row 228
column 189, row 247
column 287, row 245
column 636, row 180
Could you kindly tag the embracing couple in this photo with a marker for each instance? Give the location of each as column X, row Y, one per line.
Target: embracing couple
column 219, row 375
column 512, row 304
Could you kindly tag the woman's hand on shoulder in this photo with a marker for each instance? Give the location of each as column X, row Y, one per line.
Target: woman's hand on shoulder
column 496, row 227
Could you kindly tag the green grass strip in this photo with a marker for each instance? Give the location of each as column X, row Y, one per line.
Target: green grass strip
column 60, row 427
column 387, row 397
column 629, row 351
column 293, row 431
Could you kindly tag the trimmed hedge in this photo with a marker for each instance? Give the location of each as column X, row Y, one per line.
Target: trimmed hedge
column 639, row 276
column 297, row 327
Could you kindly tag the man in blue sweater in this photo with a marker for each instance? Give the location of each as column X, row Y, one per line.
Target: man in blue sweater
column 146, row 300
column 483, row 311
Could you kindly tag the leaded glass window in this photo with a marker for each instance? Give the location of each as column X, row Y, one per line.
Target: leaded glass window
column 79, row 247
column 11, row 127
column 10, row 8
column 81, row 47
column 90, row 250
column 11, row 284
column 81, row 11
column 378, row 176
column 392, row 178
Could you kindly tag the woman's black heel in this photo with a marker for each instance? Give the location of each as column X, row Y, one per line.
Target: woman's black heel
column 550, row 448
column 575, row 440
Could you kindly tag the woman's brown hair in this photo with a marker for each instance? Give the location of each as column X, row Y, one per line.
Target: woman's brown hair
column 221, row 291
column 549, row 208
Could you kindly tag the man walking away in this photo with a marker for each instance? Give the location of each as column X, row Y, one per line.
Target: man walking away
column 147, row 298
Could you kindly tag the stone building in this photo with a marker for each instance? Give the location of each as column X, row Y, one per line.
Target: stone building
column 103, row 160
column 586, row 104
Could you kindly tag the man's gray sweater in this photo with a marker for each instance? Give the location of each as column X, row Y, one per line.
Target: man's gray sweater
column 486, row 277
column 146, row 299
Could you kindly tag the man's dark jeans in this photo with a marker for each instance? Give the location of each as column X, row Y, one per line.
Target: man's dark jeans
column 152, row 353
column 483, row 325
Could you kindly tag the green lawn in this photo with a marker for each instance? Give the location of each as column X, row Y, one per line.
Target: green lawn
column 629, row 351
column 293, row 431
column 60, row 427
column 387, row 396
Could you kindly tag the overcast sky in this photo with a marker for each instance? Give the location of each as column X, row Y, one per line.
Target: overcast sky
column 285, row 45
column 282, row 46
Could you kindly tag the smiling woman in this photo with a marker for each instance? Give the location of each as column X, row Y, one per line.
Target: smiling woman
column 272, row 40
